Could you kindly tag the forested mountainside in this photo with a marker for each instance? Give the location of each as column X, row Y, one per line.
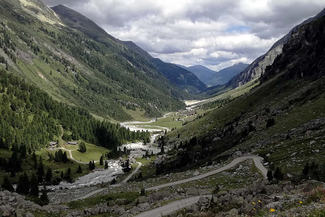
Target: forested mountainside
column 179, row 76
column 30, row 119
column 282, row 119
column 182, row 79
column 258, row 67
column 103, row 76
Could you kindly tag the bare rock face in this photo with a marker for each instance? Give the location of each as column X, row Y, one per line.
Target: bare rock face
column 257, row 68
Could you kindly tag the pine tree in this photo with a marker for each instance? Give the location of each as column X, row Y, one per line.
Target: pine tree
column 305, row 171
column 23, row 185
column 34, row 186
column 126, row 166
column 49, row 175
column 7, row 185
column 68, row 175
column 44, row 200
column 143, row 192
column 101, row 160
column 40, row 171
column 65, row 157
column 162, row 150
column 79, row 169
column 91, row 165
column 106, row 165
column 82, row 147
column 269, row 175
column 35, row 161
column 278, row 175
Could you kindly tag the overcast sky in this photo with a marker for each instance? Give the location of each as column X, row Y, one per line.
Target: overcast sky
column 214, row 33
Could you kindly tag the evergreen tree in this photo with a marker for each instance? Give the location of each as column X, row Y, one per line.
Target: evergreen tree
column 44, row 200
column 68, row 175
column 305, row 171
column 14, row 163
column 40, row 170
column 34, row 186
column 106, row 165
column 82, row 147
column 126, row 166
column 101, row 160
column 113, row 182
column 143, row 192
column 79, row 169
column 278, row 175
column 162, row 149
column 35, row 161
column 49, row 175
column 269, row 175
column 92, row 165
column 65, row 157
column 7, row 185
column 23, row 185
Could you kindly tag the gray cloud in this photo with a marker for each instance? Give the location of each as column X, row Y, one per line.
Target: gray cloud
column 214, row 33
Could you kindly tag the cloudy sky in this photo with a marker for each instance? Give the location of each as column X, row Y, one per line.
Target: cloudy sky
column 214, row 33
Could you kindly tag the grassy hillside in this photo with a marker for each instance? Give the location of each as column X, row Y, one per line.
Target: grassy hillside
column 282, row 119
column 102, row 76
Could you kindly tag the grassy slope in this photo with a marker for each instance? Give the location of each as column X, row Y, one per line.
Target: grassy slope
column 93, row 152
column 99, row 77
column 290, row 116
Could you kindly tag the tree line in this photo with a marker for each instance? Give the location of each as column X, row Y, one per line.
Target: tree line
column 30, row 118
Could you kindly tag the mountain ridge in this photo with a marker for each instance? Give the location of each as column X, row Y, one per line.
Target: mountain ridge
column 214, row 78
column 105, row 76
column 179, row 78
column 256, row 69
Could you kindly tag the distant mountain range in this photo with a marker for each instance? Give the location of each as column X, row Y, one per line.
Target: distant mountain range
column 183, row 79
column 213, row 78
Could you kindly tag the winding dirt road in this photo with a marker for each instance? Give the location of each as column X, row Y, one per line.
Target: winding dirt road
column 180, row 204
column 257, row 160
column 72, row 158
column 133, row 173
column 172, row 207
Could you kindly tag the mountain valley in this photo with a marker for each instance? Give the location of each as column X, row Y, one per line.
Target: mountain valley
column 95, row 126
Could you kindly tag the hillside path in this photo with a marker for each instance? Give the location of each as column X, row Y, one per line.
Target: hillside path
column 172, row 207
column 180, row 204
column 72, row 158
column 257, row 160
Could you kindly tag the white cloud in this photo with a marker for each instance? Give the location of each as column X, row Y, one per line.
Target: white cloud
column 214, row 33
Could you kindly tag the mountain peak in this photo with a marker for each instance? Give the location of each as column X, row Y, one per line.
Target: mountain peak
column 212, row 78
column 321, row 14
column 39, row 10
column 82, row 23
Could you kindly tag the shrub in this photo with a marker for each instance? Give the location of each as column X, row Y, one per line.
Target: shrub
column 82, row 147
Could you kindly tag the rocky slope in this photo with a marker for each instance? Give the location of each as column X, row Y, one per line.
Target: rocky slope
column 290, row 97
column 256, row 69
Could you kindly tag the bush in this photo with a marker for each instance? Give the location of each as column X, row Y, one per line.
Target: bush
column 270, row 122
column 82, row 147
column 7, row 185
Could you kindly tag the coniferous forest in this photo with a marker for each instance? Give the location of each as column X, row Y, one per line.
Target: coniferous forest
column 30, row 119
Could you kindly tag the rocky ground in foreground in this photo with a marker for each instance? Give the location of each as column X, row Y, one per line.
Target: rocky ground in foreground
column 261, row 199
column 258, row 199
